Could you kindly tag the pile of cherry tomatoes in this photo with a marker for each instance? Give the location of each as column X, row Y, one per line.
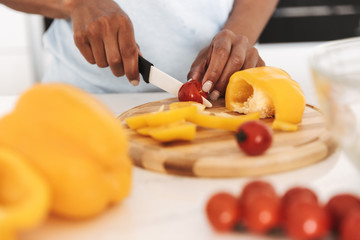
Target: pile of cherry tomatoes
column 298, row 212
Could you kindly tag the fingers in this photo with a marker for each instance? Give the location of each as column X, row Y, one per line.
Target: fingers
column 113, row 55
column 220, row 51
column 198, row 67
column 242, row 55
column 84, row 47
column 234, row 63
column 129, row 51
column 107, row 39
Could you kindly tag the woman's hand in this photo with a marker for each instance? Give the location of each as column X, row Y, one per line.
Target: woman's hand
column 104, row 35
column 226, row 54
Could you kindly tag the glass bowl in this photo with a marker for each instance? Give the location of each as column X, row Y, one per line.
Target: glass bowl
column 335, row 67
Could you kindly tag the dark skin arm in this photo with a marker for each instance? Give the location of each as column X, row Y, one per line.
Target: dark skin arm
column 103, row 32
column 232, row 49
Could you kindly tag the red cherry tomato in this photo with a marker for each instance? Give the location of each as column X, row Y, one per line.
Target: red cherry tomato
column 255, row 187
column 223, row 211
column 254, row 137
column 298, row 194
column 261, row 212
column 350, row 227
column 197, row 84
column 306, row 220
column 260, row 206
column 189, row 92
column 339, row 206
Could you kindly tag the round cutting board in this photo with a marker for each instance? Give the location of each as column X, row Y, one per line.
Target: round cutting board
column 214, row 153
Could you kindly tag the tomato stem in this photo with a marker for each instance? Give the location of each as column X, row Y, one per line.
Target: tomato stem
column 241, row 136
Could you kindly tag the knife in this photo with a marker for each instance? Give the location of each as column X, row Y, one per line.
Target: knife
column 162, row 80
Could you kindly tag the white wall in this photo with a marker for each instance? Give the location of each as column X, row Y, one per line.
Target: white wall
column 18, row 69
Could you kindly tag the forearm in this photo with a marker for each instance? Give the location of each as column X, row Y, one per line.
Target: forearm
column 249, row 17
column 48, row 8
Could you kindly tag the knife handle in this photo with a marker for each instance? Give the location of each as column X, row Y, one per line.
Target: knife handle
column 144, row 68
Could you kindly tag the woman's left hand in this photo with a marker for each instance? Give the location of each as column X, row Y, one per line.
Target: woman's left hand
column 226, row 54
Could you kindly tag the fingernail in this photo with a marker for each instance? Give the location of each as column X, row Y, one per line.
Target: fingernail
column 134, row 82
column 207, row 86
column 214, row 95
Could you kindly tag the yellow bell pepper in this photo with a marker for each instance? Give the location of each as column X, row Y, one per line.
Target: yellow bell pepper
column 24, row 195
column 230, row 123
column 270, row 91
column 75, row 143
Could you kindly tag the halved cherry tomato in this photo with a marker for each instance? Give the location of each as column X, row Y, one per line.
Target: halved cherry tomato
column 340, row 205
column 306, row 220
column 199, row 88
column 350, row 227
column 189, row 92
column 223, row 211
column 254, row 137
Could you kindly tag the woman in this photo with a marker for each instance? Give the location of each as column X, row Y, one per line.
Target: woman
column 94, row 44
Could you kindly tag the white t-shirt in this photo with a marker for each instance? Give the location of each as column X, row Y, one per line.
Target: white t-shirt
column 170, row 34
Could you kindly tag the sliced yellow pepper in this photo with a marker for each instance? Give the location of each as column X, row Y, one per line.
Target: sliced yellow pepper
column 137, row 121
column 184, row 131
column 269, row 90
column 146, row 130
column 175, row 105
column 170, row 116
column 24, row 195
column 154, row 119
column 230, row 123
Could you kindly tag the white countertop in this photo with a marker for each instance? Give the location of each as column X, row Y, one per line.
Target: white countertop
column 172, row 207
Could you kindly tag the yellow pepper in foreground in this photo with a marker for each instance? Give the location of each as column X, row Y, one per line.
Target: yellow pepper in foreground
column 24, row 195
column 270, row 91
column 75, row 143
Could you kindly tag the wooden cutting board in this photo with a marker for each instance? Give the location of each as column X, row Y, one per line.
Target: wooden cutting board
column 214, row 153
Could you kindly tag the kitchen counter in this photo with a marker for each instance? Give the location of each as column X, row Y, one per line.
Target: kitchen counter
column 172, row 207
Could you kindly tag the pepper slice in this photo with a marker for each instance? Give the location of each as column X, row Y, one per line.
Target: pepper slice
column 160, row 118
column 24, row 195
column 230, row 123
column 183, row 131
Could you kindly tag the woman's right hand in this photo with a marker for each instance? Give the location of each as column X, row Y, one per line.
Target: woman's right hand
column 104, row 34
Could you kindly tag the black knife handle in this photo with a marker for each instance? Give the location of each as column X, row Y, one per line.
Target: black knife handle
column 144, row 68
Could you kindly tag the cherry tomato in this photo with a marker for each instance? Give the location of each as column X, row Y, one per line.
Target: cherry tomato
column 254, row 137
column 197, row 84
column 189, row 92
column 260, row 206
column 257, row 186
column 298, row 194
column 261, row 213
column 223, row 211
column 340, row 205
column 350, row 227
column 306, row 220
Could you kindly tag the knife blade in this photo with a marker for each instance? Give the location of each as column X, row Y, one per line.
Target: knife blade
column 161, row 79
